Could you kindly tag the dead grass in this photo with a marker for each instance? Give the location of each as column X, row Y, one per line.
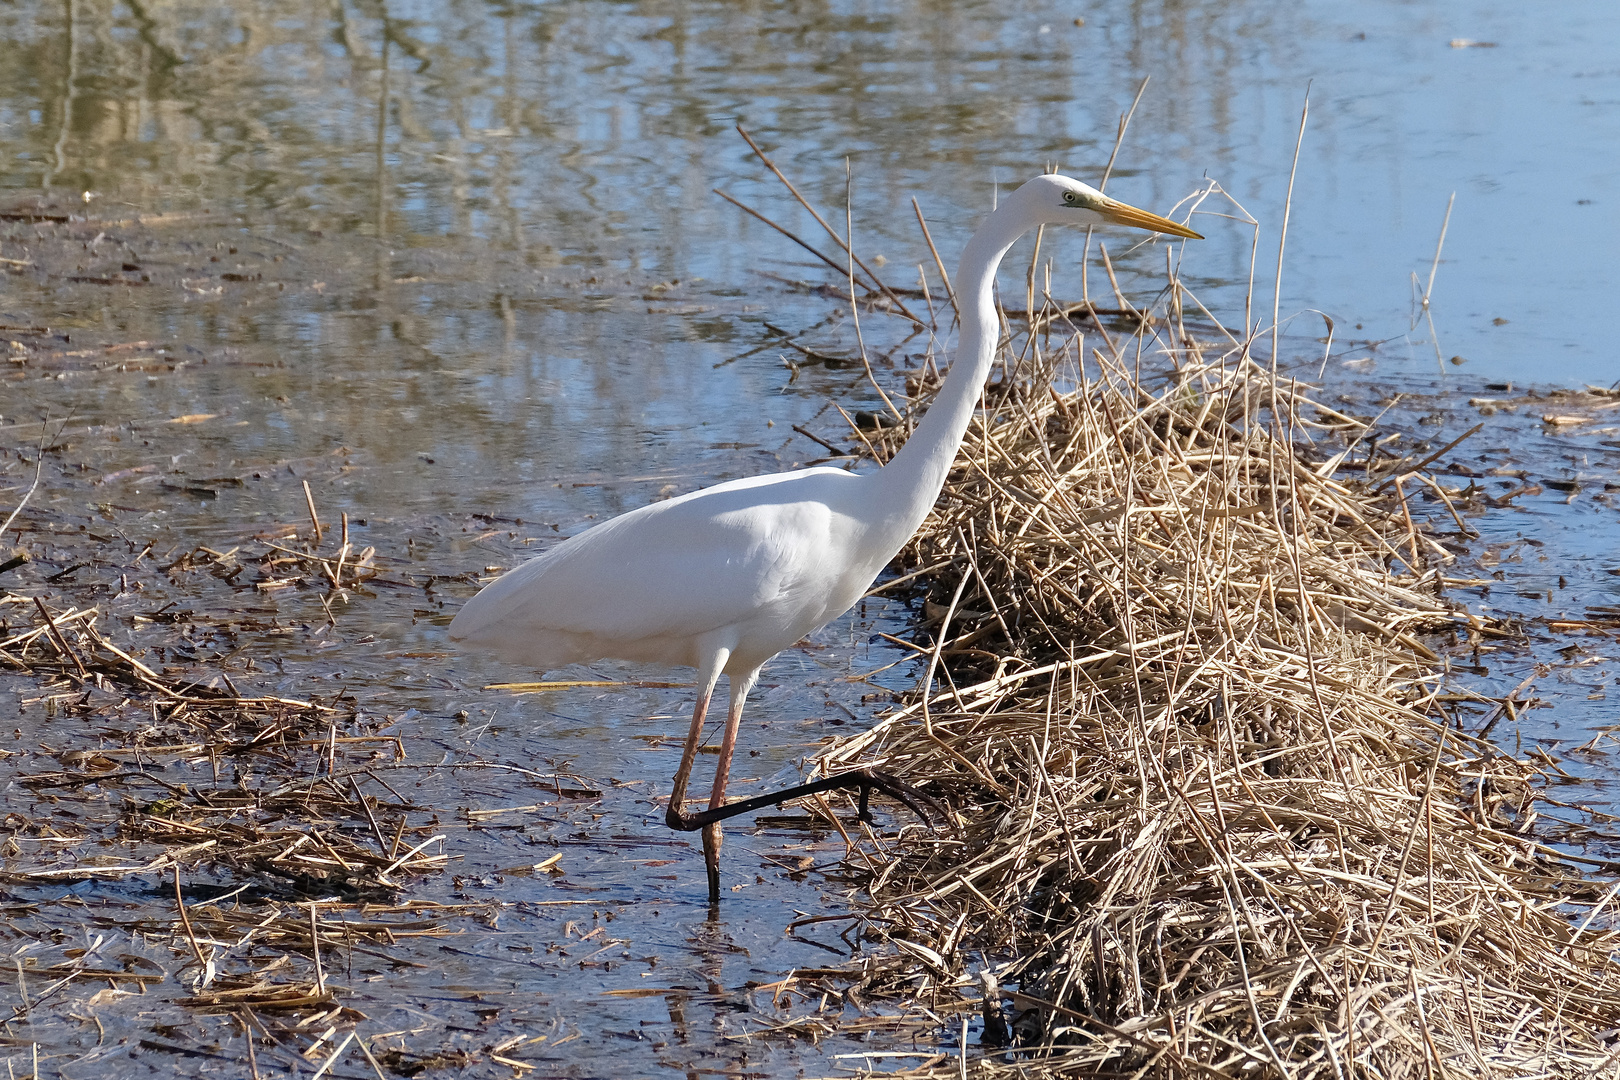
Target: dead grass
column 1212, row 817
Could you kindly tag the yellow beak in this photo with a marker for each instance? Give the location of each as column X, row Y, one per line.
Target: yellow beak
column 1119, row 213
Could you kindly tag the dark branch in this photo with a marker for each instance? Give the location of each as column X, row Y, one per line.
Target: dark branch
column 864, row 780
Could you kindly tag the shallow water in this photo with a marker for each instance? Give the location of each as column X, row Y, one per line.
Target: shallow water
column 468, row 263
column 1543, row 564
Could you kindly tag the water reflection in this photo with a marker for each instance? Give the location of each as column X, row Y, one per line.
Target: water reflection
column 590, row 134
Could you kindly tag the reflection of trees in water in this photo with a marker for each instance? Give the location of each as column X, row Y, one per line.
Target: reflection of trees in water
column 484, row 149
column 494, row 145
column 583, row 135
column 577, row 123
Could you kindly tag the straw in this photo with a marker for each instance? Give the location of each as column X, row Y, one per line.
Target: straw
column 1210, row 814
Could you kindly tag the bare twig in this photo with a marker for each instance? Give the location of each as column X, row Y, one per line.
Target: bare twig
column 877, row 282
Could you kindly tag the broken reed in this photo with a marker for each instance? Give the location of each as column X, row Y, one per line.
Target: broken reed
column 185, row 719
column 1211, row 817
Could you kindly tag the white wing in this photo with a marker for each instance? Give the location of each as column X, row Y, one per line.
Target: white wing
column 765, row 555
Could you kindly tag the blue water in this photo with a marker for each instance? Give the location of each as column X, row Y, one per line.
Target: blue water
column 592, row 133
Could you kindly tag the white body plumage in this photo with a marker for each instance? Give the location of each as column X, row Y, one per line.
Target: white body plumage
column 751, row 566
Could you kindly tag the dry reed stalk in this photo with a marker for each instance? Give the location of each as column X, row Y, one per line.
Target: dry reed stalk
column 1210, row 818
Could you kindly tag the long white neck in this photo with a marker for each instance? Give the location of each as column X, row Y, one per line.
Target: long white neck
column 912, row 480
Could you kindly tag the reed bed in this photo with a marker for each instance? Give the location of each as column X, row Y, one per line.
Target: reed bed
column 1211, row 814
column 1211, row 817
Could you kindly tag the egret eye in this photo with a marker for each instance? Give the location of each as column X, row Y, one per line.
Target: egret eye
column 1068, row 197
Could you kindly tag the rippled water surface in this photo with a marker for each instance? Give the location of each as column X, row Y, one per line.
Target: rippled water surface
column 451, row 260
column 590, row 135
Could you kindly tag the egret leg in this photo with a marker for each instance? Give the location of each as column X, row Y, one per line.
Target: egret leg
column 863, row 781
column 710, row 674
column 740, row 685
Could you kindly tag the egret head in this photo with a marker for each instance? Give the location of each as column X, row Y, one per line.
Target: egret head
column 1058, row 200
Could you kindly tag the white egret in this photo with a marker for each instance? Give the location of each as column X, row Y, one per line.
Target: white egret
column 724, row 578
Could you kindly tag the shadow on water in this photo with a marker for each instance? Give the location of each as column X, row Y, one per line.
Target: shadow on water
column 457, row 269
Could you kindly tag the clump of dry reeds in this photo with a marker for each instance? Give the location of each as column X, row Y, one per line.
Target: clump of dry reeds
column 1211, row 817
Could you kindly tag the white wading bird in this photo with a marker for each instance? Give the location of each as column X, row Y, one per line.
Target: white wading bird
column 723, row 579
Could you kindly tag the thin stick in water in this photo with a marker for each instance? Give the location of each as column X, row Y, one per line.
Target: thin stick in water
column 854, row 305
column 871, row 275
column 1119, row 139
column 315, row 949
column 309, row 501
column 939, row 263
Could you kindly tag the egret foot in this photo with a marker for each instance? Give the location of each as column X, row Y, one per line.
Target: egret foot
column 864, row 781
